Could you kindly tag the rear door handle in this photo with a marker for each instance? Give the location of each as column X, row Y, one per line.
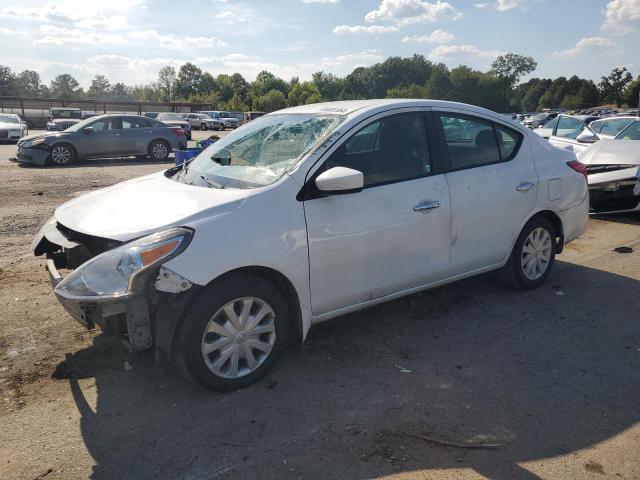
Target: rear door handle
column 525, row 186
column 426, row 205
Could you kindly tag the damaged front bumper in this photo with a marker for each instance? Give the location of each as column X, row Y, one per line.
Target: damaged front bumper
column 129, row 315
column 615, row 190
column 36, row 156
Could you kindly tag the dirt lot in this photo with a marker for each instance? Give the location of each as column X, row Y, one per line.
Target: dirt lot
column 552, row 376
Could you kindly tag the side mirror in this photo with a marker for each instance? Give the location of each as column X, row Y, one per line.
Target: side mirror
column 88, row 130
column 587, row 137
column 340, row 180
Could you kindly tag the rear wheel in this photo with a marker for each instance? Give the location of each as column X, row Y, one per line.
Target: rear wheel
column 62, row 154
column 234, row 333
column 159, row 150
column 533, row 255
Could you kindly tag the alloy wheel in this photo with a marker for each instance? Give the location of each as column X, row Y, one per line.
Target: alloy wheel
column 61, row 155
column 159, row 151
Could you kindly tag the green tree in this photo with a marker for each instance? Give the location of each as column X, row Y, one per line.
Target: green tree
column 631, row 93
column 100, row 87
column 28, row 83
column 328, row 85
column 267, row 81
column 235, row 104
column 273, row 100
column 613, row 86
column 408, row 91
column 120, row 90
column 510, row 67
column 303, row 94
column 166, row 83
column 439, row 85
column 240, row 87
column 65, row 86
column 225, row 87
column 188, row 81
column 208, row 84
column 7, row 81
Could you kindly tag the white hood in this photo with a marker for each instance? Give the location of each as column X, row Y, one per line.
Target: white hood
column 143, row 205
column 611, row 152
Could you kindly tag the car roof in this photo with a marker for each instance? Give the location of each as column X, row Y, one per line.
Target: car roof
column 361, row 108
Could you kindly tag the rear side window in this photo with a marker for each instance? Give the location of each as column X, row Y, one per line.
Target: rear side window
column 391, row 149
column 473, row 142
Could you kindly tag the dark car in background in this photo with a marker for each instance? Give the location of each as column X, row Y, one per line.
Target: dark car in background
column 177, row 120
column 62, row 118
column 104, row 136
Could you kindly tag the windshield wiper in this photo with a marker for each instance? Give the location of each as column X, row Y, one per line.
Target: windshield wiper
column 211, row 183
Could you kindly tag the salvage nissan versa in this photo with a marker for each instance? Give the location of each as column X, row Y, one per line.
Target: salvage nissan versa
column 314, row 211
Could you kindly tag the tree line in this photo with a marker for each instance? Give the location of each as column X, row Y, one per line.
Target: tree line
column 498, row 89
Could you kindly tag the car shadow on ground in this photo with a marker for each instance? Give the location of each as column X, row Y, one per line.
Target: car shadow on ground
column 542, row 373
column 631, row 218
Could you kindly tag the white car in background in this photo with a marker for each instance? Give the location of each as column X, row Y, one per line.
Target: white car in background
column 608, row 128
column 12, row 127
column 227, row 120
column 322, row 209
column 613, row 168
column 568, row 133
column 203, row 122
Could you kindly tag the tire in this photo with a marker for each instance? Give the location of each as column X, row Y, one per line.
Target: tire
column 533, row 255
column 159, row 150
column 227, row 366
column 62, row 154
column 203, row 127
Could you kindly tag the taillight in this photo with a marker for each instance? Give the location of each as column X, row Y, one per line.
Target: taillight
column 578, row 167
column 179, row 131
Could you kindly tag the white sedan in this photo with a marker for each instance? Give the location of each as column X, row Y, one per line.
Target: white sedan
column 12, row 127
column 317, row 211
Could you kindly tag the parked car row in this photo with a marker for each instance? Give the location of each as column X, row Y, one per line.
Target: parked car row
column 610, row 149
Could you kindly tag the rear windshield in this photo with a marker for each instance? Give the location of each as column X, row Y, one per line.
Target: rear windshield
column 8, row 119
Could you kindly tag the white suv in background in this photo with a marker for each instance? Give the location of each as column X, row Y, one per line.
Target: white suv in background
column 225, row 117
column 322, row 210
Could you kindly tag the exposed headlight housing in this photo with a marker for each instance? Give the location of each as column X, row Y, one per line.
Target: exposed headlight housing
column 119, row 272
column 33, row 143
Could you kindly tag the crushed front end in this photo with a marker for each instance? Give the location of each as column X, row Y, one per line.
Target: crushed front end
column 112, row 284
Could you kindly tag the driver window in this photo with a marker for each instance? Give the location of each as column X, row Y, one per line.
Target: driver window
column 389, row 150
column 569, row 128
column 101, row 125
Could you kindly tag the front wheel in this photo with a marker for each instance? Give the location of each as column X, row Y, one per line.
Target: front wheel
column 159, row 150
column 533, row 255
column 62, row 154
column 234, row 333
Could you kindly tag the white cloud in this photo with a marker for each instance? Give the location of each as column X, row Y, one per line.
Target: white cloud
column 466, row 52
column 437, row 36
column 504, row 5
column 407, row 12
column 481, row 5
column 320, row 1
column 225, row 14
column 619, row 14
column 343, row 29
column 55, row 35
column 10, row 32
column 589, row 44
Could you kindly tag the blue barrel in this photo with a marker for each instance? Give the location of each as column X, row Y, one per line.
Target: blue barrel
column 186, row 154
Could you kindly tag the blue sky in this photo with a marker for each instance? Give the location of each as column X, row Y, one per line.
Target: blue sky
column 130, row 40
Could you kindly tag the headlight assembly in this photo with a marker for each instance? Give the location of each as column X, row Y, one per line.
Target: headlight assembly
column 33, row 143
column 115, row 273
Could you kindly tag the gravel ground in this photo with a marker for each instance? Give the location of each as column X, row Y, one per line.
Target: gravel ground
column 551, row 375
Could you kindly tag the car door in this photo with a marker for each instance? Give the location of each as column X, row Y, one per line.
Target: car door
column 135, row 135
column 104, row 139
column 566, row 134
column 492, row 185
column 392, row 235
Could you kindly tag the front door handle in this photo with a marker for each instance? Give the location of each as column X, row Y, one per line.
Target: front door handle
column 525, row 186
column 427, row 205
column 115, row 135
